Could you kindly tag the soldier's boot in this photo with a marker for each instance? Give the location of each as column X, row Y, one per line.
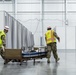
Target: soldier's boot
column 48, row 61
column 5, row 62
column 57, row 60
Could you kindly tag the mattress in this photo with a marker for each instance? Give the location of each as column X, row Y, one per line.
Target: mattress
column 33, row 54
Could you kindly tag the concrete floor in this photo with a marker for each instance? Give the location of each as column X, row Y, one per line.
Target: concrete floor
column 66, row 66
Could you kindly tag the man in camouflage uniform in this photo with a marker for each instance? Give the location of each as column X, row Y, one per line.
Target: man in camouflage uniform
column 50, row 37
column 3, row 40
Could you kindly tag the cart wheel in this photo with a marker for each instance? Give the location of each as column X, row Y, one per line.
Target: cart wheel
column 20, row 64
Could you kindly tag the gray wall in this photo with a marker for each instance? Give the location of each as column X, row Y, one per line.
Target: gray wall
column 18, row 35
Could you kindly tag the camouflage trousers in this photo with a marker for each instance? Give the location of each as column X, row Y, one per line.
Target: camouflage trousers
column 1, row 53
column 52, row 48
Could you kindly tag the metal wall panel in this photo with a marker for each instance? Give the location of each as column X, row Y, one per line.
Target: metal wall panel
column 18, row 35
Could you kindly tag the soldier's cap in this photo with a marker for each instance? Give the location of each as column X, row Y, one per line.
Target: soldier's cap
column 6, row 27
column 49, row 27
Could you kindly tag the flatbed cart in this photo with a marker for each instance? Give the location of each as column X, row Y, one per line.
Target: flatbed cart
column 16, row 55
